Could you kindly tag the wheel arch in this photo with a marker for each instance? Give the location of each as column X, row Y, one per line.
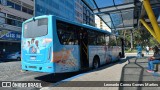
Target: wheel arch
column 96, row 57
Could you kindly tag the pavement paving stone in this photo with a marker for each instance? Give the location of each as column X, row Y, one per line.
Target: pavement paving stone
column 132, row 70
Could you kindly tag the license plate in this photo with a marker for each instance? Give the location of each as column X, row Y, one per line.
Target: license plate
column 33, row 67
column 32, row 58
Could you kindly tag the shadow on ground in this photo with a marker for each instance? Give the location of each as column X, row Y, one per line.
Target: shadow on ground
column 54, row 78
column 135, row 70
column 8, row 60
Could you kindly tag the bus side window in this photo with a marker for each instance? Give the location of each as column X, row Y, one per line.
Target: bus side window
column 112, row 40
column 118, row 41
column 107, row 39
column 100, row 39
column 92, row 37
column 66, row 33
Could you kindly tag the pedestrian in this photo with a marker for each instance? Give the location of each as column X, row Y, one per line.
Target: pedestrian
column 139, row 50
column 155, row 59
column 147, row 50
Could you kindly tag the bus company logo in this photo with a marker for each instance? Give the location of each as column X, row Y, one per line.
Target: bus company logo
column 6, row 84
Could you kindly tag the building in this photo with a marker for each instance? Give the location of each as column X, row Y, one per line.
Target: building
column 100, row 24
column 62, row 8
column 12, row 14
column 73, row 10
column 78, row 11
column 88, row 16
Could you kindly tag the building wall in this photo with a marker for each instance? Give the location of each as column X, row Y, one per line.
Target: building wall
column 63, row 8
column 100, row 24
column 88, row 16
column 73, row 10
column 78, row 11
column 12, row 14
column 13, row 17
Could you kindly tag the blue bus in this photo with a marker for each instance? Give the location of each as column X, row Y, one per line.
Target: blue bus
column 55, row 45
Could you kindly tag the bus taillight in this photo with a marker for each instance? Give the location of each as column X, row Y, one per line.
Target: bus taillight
column 49, row 53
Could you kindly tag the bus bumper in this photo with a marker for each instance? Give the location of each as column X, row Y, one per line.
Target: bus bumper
column 45, row 67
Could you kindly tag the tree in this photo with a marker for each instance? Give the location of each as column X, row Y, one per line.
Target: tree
column 141, row 36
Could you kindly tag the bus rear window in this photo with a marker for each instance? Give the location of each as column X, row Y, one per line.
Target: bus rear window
column 36, row 28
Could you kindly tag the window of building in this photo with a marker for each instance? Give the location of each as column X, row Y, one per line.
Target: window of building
column 24, row 9
column 30, row 11
column 14, row 17
column 24, row 19
column 10, row 4
column 18, row 23
column 14, row 22
column 17, row 7
column 10, row 22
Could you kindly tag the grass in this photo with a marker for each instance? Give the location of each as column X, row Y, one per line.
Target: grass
column 129, row 51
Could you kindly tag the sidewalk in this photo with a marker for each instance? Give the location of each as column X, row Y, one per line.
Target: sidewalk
column 134, row 69
column 111, row 72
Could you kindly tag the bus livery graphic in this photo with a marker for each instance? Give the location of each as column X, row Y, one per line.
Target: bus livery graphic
column 55, row 45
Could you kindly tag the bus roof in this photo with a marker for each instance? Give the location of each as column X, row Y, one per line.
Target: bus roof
column 68, row 21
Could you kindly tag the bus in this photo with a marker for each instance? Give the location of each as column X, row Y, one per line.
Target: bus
column 53, row 44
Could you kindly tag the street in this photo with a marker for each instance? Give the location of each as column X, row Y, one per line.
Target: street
column 11, row 71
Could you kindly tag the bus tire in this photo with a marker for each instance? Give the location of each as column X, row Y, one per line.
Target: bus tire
column 96, row 62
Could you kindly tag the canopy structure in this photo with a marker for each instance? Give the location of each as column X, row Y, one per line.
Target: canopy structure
column 125, row 14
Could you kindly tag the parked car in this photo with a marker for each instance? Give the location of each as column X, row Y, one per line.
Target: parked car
column 15, row 55
column 1, row 54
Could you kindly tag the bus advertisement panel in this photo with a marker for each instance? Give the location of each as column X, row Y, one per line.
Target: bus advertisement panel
column 55, row 45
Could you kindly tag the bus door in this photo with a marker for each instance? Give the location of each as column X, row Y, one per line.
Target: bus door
column 84, row 49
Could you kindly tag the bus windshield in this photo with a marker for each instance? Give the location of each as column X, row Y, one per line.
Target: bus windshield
column 36, row 28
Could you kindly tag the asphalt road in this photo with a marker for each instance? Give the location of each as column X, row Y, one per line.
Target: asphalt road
column 11, row 71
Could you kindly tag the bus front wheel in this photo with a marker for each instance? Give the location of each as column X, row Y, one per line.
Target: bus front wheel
column 96, row 62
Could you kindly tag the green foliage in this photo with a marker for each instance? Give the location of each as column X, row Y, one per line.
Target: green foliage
column 129, row 51
column 141, row 36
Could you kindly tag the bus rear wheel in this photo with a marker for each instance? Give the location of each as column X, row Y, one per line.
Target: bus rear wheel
column 95, row 63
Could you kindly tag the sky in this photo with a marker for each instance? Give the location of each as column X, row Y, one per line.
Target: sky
column 115, row 17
